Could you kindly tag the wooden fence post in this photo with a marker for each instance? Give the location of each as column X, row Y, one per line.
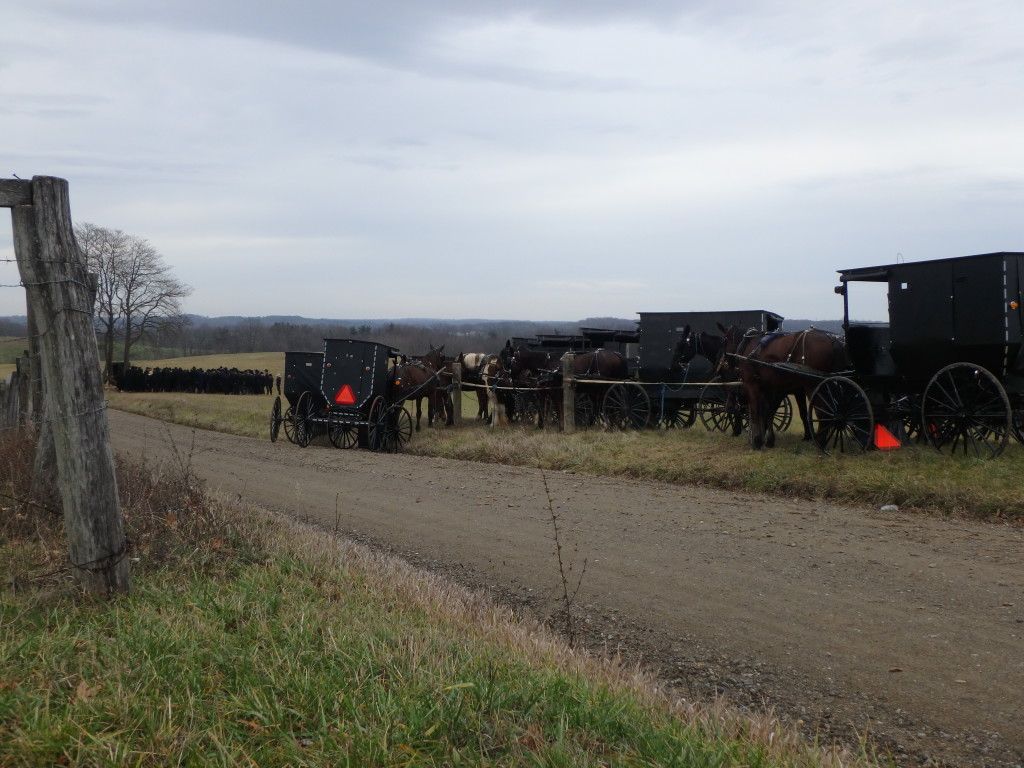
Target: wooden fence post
column 568, row 393
column 54, row 274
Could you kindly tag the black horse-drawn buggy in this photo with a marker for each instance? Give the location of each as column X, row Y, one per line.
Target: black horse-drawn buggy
column 947, row 367
column 633, row 379
column 347, row 392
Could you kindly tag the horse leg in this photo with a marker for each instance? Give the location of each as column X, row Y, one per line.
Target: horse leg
column 418, row 413
column 756, row 405
column 773, row 404
column 734, row 411
column 801, row 406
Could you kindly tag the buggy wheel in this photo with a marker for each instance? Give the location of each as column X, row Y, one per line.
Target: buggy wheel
column 584, row 411
column 340, row 433
column 400, row 426
column 719, row 408
column 375, row 427
column 965, row 409
column 275, row 419
column 841, row 417
column 626, row 406
column 783, row 415
column 289, row 424
column 304, row 425
column 683, row 415
column 393, row 426
column 524, row 407
column 906, row 411
column 1017, row 426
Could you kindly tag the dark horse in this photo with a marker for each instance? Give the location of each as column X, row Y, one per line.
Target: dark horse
column 712, row 348
column 773, row 366
column 544, row 371
column 539, row 373
column 423, row 377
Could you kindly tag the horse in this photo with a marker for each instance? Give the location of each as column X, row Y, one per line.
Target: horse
column 535, row 370
column 600, row 363
column 690, row 345
column 775, row 365
column 712, row 348
column 498, row 383
column 421, row 377
column 545, row 368
column 473, row 367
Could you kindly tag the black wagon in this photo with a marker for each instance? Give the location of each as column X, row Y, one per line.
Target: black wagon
column 302, row 372
column 664, row 390
column 347, row 392
column 947, row 367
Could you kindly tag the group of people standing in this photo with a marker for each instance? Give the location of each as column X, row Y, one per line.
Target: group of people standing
column 222, row 381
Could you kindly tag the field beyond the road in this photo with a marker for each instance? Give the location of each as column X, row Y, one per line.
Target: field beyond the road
column 916, row 479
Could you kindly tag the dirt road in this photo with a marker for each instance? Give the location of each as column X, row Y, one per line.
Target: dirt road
column 854, row 621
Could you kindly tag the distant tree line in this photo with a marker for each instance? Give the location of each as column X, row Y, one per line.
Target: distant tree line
column 200, row 337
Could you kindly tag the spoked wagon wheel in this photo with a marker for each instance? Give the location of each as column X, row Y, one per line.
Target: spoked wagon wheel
column 304, row 424
column 719, row 408
column 626, row 406
column 376, row 423
column 340, row 433
column 403, row 427
column 397, row 428
column 584, row 411
column 783, row 415
column 682, row 414
column 841, row 417
column 390, row 427
column 1017, row 425
column 275, row 419
column 906, row 410
column 965, row 409
column 289, row 424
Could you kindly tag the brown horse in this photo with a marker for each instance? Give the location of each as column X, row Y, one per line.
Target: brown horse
column 544, row 371
column 774, row 366
column 420, row 378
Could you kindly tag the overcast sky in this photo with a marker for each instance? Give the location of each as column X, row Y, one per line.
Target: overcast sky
column 521, row 160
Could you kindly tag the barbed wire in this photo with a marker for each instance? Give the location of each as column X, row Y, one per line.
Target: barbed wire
column 38, row 422
column 44, row 261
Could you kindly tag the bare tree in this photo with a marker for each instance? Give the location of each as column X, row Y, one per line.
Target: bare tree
column 136, row 292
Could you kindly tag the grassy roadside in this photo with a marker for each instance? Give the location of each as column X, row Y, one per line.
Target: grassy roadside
column 916, row 479
column 250, row 639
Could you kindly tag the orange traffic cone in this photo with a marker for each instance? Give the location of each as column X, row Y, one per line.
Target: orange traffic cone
column 885, row 440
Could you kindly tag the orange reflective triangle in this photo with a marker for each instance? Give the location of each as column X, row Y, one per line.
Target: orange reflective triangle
column 884, row 439
column 345, row 396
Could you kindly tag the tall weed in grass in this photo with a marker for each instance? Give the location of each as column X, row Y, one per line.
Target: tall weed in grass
column 251, row 640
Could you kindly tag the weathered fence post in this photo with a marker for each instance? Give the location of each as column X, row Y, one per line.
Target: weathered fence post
column 456, row 393
column 568, row 393
column 23, row 377
column 54, row 274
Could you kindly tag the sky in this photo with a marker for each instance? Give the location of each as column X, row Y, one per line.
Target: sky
column 523, row 160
